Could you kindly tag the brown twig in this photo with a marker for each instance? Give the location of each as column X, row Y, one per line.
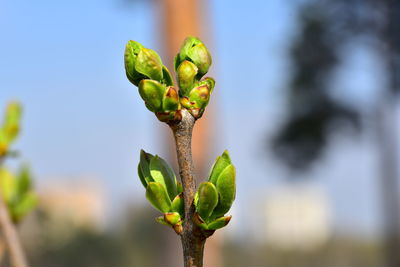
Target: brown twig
column 13, row 244
column 192, row 237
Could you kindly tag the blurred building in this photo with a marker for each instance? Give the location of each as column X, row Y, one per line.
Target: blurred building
column 77, row 203
column 297, row 217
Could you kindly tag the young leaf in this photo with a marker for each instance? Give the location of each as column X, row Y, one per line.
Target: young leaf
column 158, row 197
column 220, row 164
column 226, row 187
column 207, row 200
column 144, row 169
column 163, row 174
column 219, row 223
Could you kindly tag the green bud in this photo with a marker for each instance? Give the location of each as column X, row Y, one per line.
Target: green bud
column 226, row 187
column 11, row 124
column 210, row 82
column 207, row 200
column 143, row 63
column 170, row 100
column 219, row 166
column 219, row 223
column 172, row 218
column 144, row 169
column 199, row 221
column 162, row 173
column 197, row 101
column 158, row 196
column 178, row 205
column 148, row 63
column 186, row 74
column 195, row 51
column 132, row 50
column 152, row 92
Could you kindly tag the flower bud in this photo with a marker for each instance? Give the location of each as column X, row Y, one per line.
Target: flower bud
column 149, row 63
column 132, row 50
column 152, row 92
column 186, row 74
column 197, row 101
column 170, row 100
column 11, row 124
column 195, row 51
column 172, row 218
column 143, row 63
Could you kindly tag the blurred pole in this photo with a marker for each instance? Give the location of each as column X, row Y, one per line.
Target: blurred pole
column 182, row 18
column 387, row 135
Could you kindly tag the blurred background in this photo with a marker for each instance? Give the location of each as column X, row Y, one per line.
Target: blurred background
column 306, row 101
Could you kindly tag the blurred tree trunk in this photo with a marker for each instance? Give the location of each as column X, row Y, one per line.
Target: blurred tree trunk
column 387, row 134
column 182, row 18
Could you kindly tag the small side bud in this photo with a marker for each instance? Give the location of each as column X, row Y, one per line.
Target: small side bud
column 152, row 92
column 186, row 74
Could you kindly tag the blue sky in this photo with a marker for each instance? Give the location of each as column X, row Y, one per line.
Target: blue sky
column 64, row 61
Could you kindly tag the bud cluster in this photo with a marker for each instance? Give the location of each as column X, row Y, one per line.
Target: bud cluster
column 214, row 198
column 212, row 201
column 9, row 130
column 162, row 189
column 17, row 192
column 145, row 69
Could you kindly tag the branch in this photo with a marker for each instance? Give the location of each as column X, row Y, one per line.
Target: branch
column 193, row 239
column 17, row 255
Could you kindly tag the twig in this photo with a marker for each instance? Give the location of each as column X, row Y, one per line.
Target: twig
column 192, row 237
column 17, row 255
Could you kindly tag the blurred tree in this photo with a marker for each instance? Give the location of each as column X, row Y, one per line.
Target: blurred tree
column 326, row 26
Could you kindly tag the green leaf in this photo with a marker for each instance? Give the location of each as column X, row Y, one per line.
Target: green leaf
column 24, row 181
column 158, row 196
column 178, row 205
column 152, row 92
column 219, row 166
column 27, row 203
column 226, row 187
column 144, row 168
column 207, row 200
column 163, row 174
column 219, row 223
column 148, row 63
